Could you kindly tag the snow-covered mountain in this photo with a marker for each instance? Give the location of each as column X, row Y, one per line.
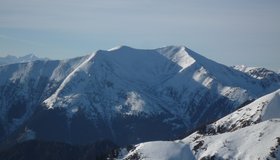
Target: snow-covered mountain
column 252, row 132
column 13, row 59
column 125, row 95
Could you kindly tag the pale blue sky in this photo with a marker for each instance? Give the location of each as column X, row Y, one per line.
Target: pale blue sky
column 227, row 31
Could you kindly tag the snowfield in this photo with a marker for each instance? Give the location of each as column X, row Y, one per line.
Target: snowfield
column 161, row 150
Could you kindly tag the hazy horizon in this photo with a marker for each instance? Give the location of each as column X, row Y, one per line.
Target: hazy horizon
column 229, row 32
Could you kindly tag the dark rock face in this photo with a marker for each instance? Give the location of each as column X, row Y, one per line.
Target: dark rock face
column 17, row 110
column 43, row 150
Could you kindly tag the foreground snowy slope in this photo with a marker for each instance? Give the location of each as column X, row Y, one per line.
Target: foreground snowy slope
column 125, row 95
column 260, row 141
column 252, row 132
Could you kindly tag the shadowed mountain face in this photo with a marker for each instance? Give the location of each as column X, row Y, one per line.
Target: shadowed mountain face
column 124, row 95
column 42, row 150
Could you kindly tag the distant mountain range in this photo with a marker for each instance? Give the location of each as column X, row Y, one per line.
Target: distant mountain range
column 13, row 59
column 125, row 96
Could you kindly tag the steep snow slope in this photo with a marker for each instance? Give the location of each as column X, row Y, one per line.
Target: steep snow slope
column 123, row 92
column 252, row 132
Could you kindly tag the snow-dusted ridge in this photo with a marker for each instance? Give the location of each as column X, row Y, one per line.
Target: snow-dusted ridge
column 119, row 47
column 50, row 101
column 259, row 73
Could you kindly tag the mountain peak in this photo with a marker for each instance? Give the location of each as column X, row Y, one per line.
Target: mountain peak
column 169, row 47
column 28, row 58
column 31, row 55
column 124, row 54
column 121, row 47
column 10, row 57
